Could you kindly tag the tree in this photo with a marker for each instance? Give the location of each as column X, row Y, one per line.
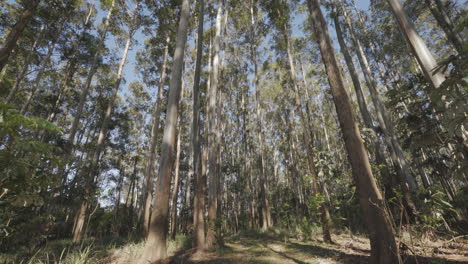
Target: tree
column 199, row 197
column 155, row 246
column 383, row 245
column 16, row 32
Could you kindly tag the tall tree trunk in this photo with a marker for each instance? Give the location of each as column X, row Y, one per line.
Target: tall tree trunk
column 213, row 154
column 151, row 155
column 155, row 246
column 266, row 214
column 444, row 22
column 96, row 153
column 324, row 212
column 199, row 196
column 383, row 245
column 16, row 32
column 418, row 47
column 89, row 78
column 70, row 68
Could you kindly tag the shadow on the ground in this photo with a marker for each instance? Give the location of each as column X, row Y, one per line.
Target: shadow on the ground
column 292, row 250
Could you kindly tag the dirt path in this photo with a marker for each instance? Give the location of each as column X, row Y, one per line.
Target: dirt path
column 271, row 250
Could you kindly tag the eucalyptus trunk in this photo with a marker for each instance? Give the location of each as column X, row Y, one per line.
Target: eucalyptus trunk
column 418, row 46
column 199, row 196
column 384, row 249
column 151, row 155
column 89, row 78
column 212, row 137
column 155, row 246
column 91, row 176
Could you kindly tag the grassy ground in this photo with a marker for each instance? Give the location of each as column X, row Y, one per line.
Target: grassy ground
column 246, row 248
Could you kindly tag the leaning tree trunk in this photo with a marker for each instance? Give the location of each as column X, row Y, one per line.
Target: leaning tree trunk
column 213, row 154
column 383, row 245
column 199, row 196
column 151, row 155
column 89, row 78
column 444, row 22
column 16, row 32
column 94, row 159
column 155, row 246
column 417, row 45
column 42, row 69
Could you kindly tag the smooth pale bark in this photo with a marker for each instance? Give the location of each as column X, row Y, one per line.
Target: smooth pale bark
column 418, row 47
column 98, row 148
column 386, row 125
column 324, row 212
column 175, row 190
column 383, row 245
column 155, row 246
column 267, row 221
column 151, row 155
column 199, row 196
column 17, row 31
column 89, row 78
column 213, row 154
column 24, row 69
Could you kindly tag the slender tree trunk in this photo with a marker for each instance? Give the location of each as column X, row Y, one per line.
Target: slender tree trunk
column 94, row 159
column 155, row 247
column 24, row 69
column 89, row 78
column 213, row 155
column 151, row 155
column 17, row 31
column 70, row 69
column 383, row 245
column 444, row 22
column 418, row 47
column 199, row 196
column 42, row 67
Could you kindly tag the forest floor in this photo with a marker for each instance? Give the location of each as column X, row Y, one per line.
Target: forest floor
column 270, row 249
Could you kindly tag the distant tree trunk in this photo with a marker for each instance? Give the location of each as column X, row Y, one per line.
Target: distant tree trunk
column 155, row 246
column 151, row 155
column 383, row 245
column 199, row 194
column 417, row 45
column 24, row 69
column 70, row 69
column 17, row 31
column 213, row 155
column 266, row 214
column 444, row 22
column 96, row 153
column 324, row 211
column 89, row 78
